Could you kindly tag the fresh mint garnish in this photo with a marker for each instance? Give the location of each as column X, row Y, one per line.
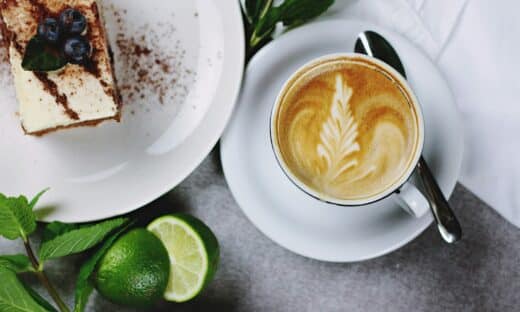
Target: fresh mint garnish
column 40, row 56
column 77, row 240
column 294, row 13
column 55, row 229
column 263, row 17
column 39, row 299
column 16, row 263
column 36, row 198
column 256, row 9
column 14, row 296
column 17, row 219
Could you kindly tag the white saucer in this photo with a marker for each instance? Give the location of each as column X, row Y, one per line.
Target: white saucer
column 283, row 212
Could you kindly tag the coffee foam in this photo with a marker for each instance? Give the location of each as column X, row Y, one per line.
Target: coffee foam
column 347, row 129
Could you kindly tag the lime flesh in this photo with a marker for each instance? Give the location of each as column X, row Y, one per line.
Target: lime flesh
column 194, row 254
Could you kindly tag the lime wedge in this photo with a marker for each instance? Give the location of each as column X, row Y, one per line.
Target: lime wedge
column 193, row 251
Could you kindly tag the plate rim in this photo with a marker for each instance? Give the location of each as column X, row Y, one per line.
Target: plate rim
column 449, row 189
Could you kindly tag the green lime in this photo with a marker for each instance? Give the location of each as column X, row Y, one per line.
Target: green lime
column 134, row 271
column 194, row 254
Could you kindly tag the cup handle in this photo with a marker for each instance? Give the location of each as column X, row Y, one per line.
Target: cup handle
column 412, row 200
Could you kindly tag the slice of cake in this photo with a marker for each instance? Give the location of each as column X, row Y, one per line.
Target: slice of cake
column 61, row 63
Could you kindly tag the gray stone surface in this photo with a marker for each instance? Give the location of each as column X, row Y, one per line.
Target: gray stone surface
column 481, row 273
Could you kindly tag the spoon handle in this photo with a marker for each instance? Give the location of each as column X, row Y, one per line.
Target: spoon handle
column 448, row 225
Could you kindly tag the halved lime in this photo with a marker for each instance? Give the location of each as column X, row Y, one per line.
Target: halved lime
column 194, row 254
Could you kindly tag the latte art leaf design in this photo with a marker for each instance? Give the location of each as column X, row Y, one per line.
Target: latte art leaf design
column 338, row 135
column 346, row 130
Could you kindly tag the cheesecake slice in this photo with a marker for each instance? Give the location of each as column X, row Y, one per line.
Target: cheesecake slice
column 74, row 95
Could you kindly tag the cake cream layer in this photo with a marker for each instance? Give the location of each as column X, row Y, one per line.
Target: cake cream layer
column 72, row 96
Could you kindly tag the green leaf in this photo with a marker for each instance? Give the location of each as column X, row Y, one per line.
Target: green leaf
column 265, row 26
column 291, row 13
column 84, row 286
column 39, row 299
column 77, row 240
column 16, row 217
column 256, row 9
column 14, row 296
column 297, row 12
column 54, row 229
column 41, row 57
column 36, row 198
column 16, row 263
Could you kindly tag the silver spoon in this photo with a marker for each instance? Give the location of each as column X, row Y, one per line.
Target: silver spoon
column 375, row 45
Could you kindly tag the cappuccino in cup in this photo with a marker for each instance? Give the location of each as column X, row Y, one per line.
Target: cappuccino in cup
column 347, row 129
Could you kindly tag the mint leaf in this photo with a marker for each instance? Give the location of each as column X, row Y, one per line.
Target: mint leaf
column 54, row 229
column 40, row 57
column 265, row 26
column 291, row 13
column 16, row 217
column 297, row 12
column 78, row 240
column 36, row 198
column 16, row 263
column 84, row 286
column 256, row 9
column 39, row 299
column 14, row 296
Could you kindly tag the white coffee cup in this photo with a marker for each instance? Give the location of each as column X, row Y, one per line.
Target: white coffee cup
column 404, row 191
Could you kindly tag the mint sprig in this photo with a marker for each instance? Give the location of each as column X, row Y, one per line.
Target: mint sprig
column 39, row 299
column 262, row 18
column 77, row 240
column 16, row 263
column 256, row 9
column 14, row 296
column 16, row 217
column 17, row 220
column 41, row 57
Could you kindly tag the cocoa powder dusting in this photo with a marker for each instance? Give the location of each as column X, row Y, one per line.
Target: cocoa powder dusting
column 4, row 57
column 5, row 69
column 146, row 69
column 60, row 98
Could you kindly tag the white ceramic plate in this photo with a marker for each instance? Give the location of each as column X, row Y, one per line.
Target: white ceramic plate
column 96, row 173
column 277, row 207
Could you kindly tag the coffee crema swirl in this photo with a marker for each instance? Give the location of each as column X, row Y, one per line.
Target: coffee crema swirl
column 347, row 129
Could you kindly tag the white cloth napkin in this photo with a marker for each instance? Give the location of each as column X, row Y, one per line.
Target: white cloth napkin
column 476, row 43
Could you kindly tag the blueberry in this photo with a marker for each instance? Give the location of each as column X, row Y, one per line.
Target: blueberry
column 77, row 50
column 49, row 30
column 73, row 21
